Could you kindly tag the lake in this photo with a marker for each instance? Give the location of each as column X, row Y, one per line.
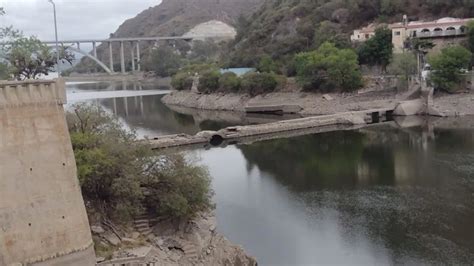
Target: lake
column 380, row 195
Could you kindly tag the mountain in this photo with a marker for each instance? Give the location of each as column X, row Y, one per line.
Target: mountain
column 174, row 18
column 281, row 28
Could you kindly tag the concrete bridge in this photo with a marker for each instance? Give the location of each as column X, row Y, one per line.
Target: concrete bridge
column 75, row 46
column 43, row 220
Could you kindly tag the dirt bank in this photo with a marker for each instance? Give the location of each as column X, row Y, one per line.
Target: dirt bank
column 312, row 103
column 316, row 104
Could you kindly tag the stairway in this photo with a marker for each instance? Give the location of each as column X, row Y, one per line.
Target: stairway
column 142, row 224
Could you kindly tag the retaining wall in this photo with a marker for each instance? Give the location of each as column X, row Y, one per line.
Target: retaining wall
column 43, row 220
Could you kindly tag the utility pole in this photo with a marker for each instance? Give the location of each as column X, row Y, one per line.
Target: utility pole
column 56, row 35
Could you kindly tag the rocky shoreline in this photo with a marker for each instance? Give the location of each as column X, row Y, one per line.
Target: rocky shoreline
column 317, row 103
column 195, row 242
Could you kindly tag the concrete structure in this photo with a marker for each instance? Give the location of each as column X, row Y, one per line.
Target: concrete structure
column 75, row 46
column 239, row 134
column 365, row 33
column 439, row 29
column 43, row 220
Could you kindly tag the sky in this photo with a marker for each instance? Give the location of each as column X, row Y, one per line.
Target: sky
column 77, row 19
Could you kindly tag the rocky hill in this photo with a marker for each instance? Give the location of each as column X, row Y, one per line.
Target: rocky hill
column 174, row 18
column 284, row 27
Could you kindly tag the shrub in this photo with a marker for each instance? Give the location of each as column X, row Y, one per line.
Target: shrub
column 258, row 83
column 182, row 81
column 209, row 81
column 118, row 173
column 267, row 65
column 229, row 82
column 447, row 67
column 328, row 68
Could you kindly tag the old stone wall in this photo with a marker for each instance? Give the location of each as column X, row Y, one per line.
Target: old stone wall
column 42, row 214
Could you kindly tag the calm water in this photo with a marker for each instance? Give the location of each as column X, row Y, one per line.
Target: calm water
column 375, row 196
column 140, row 107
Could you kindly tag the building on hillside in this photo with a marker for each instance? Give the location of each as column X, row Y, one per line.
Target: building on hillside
column 362, row 35
column 443, row 28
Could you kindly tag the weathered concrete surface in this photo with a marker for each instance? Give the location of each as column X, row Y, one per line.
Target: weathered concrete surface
column 411, row 107
column 230, row 134
column 42, row 215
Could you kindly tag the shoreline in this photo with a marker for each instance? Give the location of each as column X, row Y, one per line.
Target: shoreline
column 192, row 242
column 312, row 104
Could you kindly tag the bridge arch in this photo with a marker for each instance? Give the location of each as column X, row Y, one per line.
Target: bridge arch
column 95, row 59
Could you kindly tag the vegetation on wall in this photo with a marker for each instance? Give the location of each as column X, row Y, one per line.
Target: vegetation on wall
column 404, row 66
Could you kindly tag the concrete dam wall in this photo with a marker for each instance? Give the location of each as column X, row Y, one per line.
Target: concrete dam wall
column 43, row 220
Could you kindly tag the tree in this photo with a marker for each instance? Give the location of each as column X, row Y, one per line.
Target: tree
column 448, row 67
column 404, row 66
column 328, row 68
column 470, row 37
column 163, row 61
column 331, row 32
column 122, row 175
column 378, row 50
column 28, row 58
column 267, row 65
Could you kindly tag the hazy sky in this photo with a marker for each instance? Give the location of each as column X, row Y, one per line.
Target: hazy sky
column 77, row 19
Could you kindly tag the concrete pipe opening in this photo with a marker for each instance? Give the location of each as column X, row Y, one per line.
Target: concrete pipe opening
column 216, row 140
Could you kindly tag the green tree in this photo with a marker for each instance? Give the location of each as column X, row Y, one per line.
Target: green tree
column 28, row 58
column 163, row 61
column 255, row 83
column 378, row 50
column 229, row 82
column 470, row 37
column 122, row 176
column 328, row 68
column 267, row 65
column 404, row 66
column 209, row 81
column 331, row 32
column 448, row 67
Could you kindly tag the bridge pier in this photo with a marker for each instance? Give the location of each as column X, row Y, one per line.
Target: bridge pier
column 122, row 58
column 138, row 56
column 133, row 56
column 111, row 57
column 94, row 49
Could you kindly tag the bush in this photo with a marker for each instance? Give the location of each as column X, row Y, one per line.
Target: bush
column 229, row 82
column 117, row 173
column 209, row 81
column 182, row 81
column 267, row 65
column 447, row 67
column 258, row 83
column 328, row 68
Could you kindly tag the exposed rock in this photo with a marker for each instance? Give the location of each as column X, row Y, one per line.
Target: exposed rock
column 193, row 242
column 112, row 238
column 97, row 229
column 327, row 97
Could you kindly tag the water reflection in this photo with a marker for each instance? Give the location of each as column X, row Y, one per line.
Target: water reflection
column 372, row 196
column 149, row 116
